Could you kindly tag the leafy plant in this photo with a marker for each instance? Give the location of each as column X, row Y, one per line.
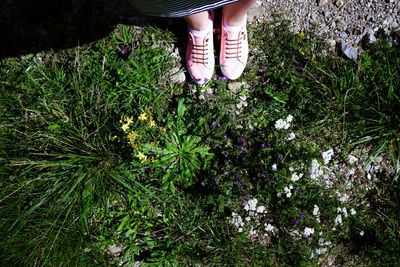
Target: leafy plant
column 183, row 153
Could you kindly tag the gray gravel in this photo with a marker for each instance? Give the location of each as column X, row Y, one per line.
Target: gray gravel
column 351, row 24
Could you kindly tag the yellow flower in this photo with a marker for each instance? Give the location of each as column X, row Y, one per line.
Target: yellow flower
column 142, row 156
column 163, row 129
column 302, row 53
column 143, row 116
column 151, row 123
column 115, row 202
column 301, row 34
column 129, row 120
column 125, row 127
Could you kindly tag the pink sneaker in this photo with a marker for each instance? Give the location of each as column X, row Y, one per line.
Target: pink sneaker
column 234, row 51
column 200, row 55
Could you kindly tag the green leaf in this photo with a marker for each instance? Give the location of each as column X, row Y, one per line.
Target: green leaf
column 181, row 108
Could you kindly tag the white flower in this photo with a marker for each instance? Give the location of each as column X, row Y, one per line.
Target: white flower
column 344, row 210
column 260, row 209
column 316, row 169
column 295, row 177
column 240, row 230
column 289, row 118
column 308, row 231
column 352, row 159
column 338, row 220
column 247, row 218
column 291, row 137
column 361, row 233
column 316, row 211
column 353, row 212
column 274, row 167
column 236, row 219
column 327, row 156
column 246, row 207
column 287, row 192
column 268, row 227
column 252, row 204
column 281, row 124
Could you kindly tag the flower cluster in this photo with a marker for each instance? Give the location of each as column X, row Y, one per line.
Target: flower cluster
column 139, row 132
column 284, row 123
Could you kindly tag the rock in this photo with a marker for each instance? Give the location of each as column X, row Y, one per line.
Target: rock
column 349, row 51
column 322, row 2
column 177, row 76
column 368, row 38
column 339, row 3
column 114, row 250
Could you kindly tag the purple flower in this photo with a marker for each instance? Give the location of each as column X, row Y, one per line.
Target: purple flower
column 296, row 222
column 225, row 137
column 229, row 160
column 213, row 123
column 254, row 110
column 244, row 140
column 123, row 51
column 241, row 147
column 223, row 79
column 219, row 125
column 269, row 144
column 226, row 155
column 136, row 56
column 244, row 203
column 241, row 187
column 280, row 157
column 247, row 195
column 202, row 183
column 247, row 189
column 216, row 179
column 243, row 159
column 263, row 175
column 297, row 189
column 263, row 145
column 226, row 173
column 302, row 216
column 237, row 147
column 308, row 173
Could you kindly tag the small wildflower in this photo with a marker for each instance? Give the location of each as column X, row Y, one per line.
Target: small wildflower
column 163, row 129
column 301, row 34
column 202, row 183
column 263, row 145
column 129, row 120
column 213, row 123
column 225, row 137
column 254, row 110
column 125, row 127
column 302, row 216
column 274, row 167
column 296, row 222
column 123, row 51
column 243, row 159
column 361, row 233
column 143, row 116
column 151, row 123
column 244, row 140
column 226, row 173
column 141, row 156
column 216, row 179
column 269, row 144
column 223, row 78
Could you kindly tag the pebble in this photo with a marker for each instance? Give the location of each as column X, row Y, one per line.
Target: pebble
column 349, row 51
column 177, row 76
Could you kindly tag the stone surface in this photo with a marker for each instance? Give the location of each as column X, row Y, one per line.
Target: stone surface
column 349, row 51
column 177, row 76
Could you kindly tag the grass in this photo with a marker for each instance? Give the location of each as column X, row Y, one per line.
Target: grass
column 164, row 188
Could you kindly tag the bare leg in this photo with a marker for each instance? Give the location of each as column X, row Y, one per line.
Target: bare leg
column 198, row 22
column 235, row 13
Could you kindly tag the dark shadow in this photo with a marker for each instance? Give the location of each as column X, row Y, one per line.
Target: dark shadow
column 31, row 26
